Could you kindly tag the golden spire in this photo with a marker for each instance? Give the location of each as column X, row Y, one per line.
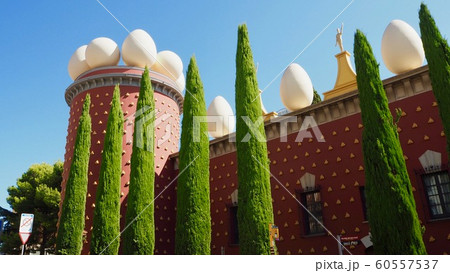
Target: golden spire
column 346, row 76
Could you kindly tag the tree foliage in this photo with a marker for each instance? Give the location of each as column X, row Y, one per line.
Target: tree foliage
column 255, row 210
column 316, row 98
column 106, row 222
column 437, row 52
column 38, row 192
column 393, row 220
column 193, row 232
column 139, row 237
column 71, row 224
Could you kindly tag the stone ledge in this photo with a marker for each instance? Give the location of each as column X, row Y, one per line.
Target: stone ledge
column 167, row 88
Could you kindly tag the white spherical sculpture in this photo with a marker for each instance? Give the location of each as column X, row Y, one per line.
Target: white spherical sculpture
column 296, row 89
column 169, row 64
column 102, row 52
column 220, row 117
column 77, row 63
column 401, row 47
column 181, row 82
column 139, row 49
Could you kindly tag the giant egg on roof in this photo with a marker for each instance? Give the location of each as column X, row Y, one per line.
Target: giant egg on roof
column 102, row 52
column 221, row 118
column 401, row 47
column 77, row 63
column 181, row 82
column 139, row 49
column 296, row 89
column 169, row 64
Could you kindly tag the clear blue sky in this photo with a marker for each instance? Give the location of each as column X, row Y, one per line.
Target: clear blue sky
column 38, row 38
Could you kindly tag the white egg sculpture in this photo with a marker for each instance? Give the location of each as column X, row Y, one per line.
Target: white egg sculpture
column 296, row 89
column 102, row 52
column 77, row 63
column 169, row 64
column 221, row 118
column 139, row 49
column 401, row 47
column 181, row 82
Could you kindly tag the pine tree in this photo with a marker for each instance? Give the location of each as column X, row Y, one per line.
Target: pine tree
column 139, row 237
column 255, row 211
column 437, row 52
column 71, row 223
column 393, row 220
column 106, row 222
column 193, row 230
column 316, row 98
column 37, row 191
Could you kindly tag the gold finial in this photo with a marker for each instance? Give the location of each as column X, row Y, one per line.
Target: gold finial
column 346, row 76
column 267, row 116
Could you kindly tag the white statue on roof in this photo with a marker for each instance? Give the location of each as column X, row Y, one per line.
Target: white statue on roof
column 339, row 37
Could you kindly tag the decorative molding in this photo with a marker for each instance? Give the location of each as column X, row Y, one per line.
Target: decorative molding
column 159, row 83
column 308, row 181
column 431, row 161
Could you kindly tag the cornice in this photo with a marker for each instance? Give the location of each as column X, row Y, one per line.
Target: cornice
column 160, row 83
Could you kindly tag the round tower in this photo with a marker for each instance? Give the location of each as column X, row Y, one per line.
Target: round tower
column 99, row 83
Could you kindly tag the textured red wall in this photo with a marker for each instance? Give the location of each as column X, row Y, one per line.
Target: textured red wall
column 336, row 163
column 338, row 167
column 100, row 105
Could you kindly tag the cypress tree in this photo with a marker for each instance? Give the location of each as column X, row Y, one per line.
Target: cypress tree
column 193, row 227
column 255, row 210
column 139, row 237
column 437, row 52
column 393, row 220
column 316, row 98
column 106, row 222
column 71, row 223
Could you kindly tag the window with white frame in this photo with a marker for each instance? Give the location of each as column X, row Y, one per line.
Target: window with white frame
column 437, row 190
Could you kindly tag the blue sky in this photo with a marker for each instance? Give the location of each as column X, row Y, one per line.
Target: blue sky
column 38, row 38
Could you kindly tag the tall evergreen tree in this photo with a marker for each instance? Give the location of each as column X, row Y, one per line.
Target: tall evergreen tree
column 316, row 98
column 193, row 231
column 106, row 222
column 437, row 52
column 139, row 237
column 71, row 223
column 393, row 220
column 255, row 211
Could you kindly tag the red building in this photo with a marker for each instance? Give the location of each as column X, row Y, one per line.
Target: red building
column 324, row 172
column 99, row 83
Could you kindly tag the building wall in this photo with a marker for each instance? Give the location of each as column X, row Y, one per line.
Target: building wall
column 338, row 169
column 336, row 165
column 167, row 131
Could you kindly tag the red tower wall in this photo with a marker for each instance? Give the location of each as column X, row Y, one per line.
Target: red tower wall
column 100, row 84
